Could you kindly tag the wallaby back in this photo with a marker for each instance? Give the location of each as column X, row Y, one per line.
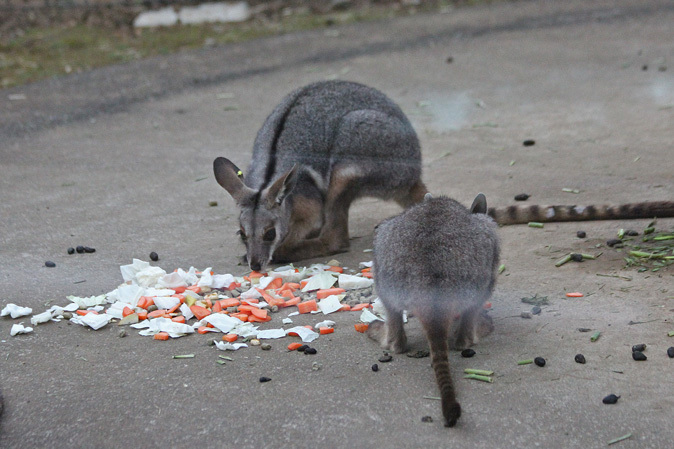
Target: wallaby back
column 322, row 147
column 519, row 214
column 436, row 260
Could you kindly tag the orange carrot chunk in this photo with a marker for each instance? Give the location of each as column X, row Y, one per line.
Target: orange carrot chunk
column 157, row 313
column 203, row 330
column 142, row 315
column 230, row 337
column 307, row 306
column 292, row 302
column 361, row 327
column 200, row 312
column 126, row 311
column 294, row 346
column 179, row 319
column 575, row 295
column 335, row 269
column 321, row 294
column 259, row 313
column 179, row 289
column 229, row 302
column 361, row 306
column 325, row 330
column 161, row 336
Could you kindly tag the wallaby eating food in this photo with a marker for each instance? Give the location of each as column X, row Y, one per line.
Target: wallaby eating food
column 323, row 146
column 437, row 260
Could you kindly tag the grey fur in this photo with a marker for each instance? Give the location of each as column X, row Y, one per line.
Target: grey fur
column 332, row 142
column 438, row 261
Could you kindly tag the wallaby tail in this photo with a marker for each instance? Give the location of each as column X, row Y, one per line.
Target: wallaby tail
column 437, row 334
column 519, row 214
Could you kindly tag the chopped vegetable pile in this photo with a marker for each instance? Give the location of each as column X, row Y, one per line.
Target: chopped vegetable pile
column 171, row 305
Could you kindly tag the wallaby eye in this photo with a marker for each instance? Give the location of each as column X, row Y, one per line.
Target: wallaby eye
column 269, row 235
column 242, row 234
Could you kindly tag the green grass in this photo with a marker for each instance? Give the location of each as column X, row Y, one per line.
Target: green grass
column 52, row 51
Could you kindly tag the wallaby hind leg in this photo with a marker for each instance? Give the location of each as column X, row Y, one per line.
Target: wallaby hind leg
column 391, row 335
column 437, row 332
column 414, row 196
column 467, row 334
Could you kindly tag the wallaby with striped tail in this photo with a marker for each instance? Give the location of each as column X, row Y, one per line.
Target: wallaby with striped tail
column 438, row 260
column 322, row 147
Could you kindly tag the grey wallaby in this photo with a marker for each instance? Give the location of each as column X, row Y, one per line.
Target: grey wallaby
column 323, row 146
column 437, row 260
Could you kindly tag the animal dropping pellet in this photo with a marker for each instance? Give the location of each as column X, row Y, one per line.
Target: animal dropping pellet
column 610, row 399
column 154, row 256
column 385, row 358
column 639, row 356
column 579, row 358
column 49, row 264
column 468, row 353
column 641, row 347
column 264, row 379
column 670, row 352
column 539, row 361
column 375, row 367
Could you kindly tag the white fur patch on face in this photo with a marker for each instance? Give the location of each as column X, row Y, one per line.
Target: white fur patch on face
column 550, row 212
column 579, row 209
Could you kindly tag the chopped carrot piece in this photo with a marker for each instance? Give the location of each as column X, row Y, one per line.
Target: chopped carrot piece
column 245, row 308
column 209, row 303
column 241, row 316
column 200, row 312
column 361, row 327
column 174, row 308
column 366, row 270
column 276, row 283
column 180, row 297
column 290, row 286
column 304, row 283
column 254, row 319
column 345, row 308
column 294, row 346
column 161, row 336
column 321, row 294
column 368, row 275
column 307, row 306
column 179, row 289
column 209, row 325
column 361, row 306
column 157, row 313
column 179, row 319
column 287, row 293
column 292, row 302
column 335, row 269
column 252, row 301
column 230, row 337
column 233, row 285
column 84, row 312
column 203, row 330
column 142, row 315
column 216, row 307
column 575, row 295
column 325, row 330
column 229, row 302
column 260, row 313
column 126, row 311
column 144, row 302
column 195, row 288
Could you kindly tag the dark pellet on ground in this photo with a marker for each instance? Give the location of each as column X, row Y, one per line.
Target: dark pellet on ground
column 610, row 399
column 522, row 197
column 576, row 257
column 449, row 59
column 375, row 367
column 264, row 379
column 579, row 358
column 49, row 264
column 467, row 353
column 640, row 347
column 581, row 234
column 303, row 348
column 614, row 242
column 584, row 329
column 385, row 358
column 539, row 361
column 310, row 351
column 670, row 352
column 536, row 310
column 529, row 143
column 639, row 356
column 426, row 419
column 644, row 67
column 71, row 250
column 79, row 249
column 89, row 250
column 154, row 256
column 631, row 233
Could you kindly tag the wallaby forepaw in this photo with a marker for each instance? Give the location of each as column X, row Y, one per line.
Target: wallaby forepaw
column 452, row 412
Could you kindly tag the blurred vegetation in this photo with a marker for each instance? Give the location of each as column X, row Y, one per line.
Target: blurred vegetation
column 42, row 52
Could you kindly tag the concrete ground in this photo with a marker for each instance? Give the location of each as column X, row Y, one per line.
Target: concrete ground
column 120, row 159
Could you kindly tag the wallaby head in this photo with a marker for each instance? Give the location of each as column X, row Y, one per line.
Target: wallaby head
column 265, row 214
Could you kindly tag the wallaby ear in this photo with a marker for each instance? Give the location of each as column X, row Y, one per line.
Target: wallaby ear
column 428, row 196
column 230, row 178
column 279, row 190
column 479, row 204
